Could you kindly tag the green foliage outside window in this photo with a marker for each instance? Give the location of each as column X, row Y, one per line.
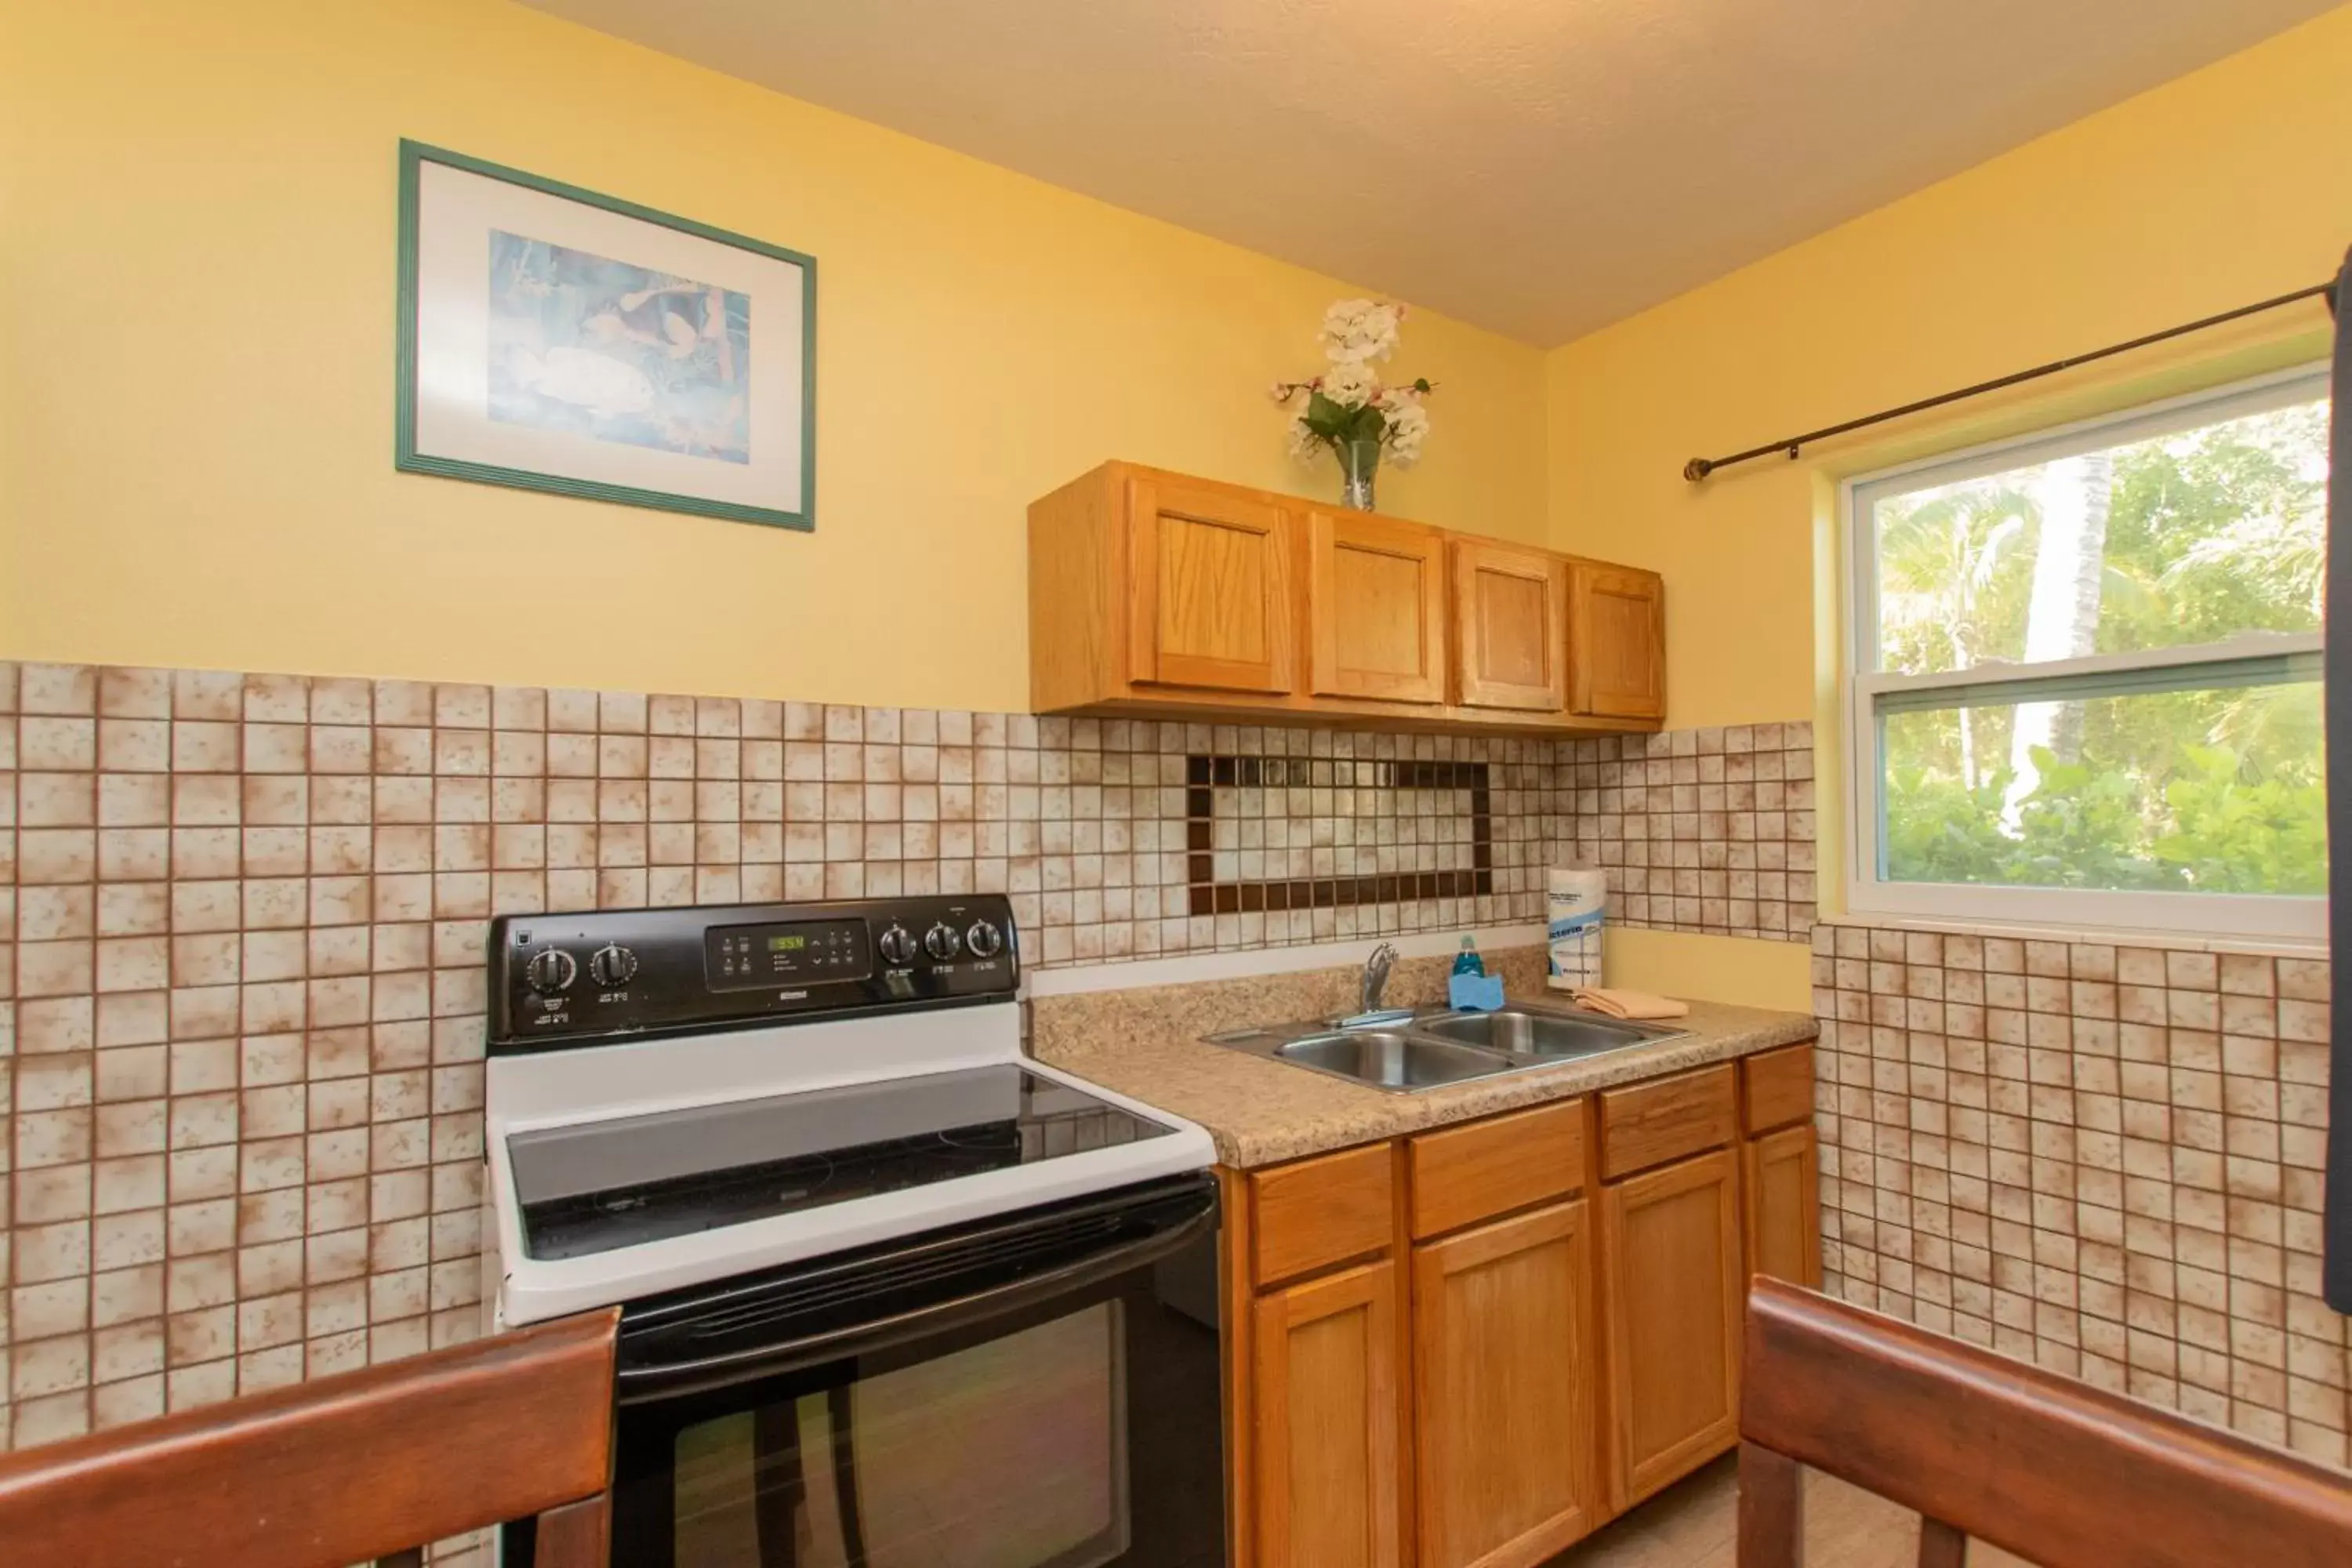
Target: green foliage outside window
column 2193, row 538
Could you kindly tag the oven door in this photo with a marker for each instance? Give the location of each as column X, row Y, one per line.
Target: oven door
column 1040, row 1390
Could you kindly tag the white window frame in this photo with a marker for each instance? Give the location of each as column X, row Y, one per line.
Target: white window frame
column 2219, row 916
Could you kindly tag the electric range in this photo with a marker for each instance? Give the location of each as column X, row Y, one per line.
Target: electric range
column 890, row 1290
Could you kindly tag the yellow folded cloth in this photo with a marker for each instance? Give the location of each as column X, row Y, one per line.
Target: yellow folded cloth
column 1620, row 1003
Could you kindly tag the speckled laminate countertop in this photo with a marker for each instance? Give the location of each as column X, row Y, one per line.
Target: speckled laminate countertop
column 1147, row 1043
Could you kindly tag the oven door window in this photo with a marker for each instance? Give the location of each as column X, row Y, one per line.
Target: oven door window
column 1008, row 1454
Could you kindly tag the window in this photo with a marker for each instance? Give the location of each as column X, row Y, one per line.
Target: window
column 2085, row 673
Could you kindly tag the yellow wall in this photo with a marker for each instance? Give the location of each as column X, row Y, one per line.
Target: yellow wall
column 1711, row 968
column 2225, row 186
column 196, row 268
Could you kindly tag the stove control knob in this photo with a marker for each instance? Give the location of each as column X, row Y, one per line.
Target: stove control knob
column 984, row 940
column 612, row 966
column 898, row 945
column 552, row 969
column 941, row 943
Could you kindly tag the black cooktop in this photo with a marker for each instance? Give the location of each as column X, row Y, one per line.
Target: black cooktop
column 607, row 1185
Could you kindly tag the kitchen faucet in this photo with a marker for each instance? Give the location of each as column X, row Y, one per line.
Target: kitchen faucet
column 1376, row 977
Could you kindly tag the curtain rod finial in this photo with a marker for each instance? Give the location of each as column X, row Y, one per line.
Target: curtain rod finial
column 1696, row 469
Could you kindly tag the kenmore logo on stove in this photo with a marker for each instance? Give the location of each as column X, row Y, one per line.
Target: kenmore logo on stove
column 792, row 996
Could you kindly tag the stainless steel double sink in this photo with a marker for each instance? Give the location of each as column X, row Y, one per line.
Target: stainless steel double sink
column 1405, row 1051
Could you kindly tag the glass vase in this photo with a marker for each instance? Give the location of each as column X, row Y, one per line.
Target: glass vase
column 1359, row 461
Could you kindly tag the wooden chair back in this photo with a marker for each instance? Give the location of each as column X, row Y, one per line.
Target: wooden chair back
column 2054, row 1470
column 343, row 1469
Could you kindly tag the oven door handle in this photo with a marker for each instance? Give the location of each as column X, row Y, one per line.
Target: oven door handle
column 668, row 1380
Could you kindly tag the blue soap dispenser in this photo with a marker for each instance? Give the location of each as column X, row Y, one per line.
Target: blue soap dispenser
column 1470, row 988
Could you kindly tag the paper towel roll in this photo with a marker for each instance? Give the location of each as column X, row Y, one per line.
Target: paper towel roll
column 1577, row 900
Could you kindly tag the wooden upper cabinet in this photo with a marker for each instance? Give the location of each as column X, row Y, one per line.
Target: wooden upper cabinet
column 1325, row 1437
column 1506, row 1474
column 1375, row 608
column 1157, row 594
column 1510, row 626
column 1670, row 1247
column 1210, row 589
column 1617, row 621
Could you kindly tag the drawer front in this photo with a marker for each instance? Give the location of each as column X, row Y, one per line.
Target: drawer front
column 1651, row 1123
column 1321, row 1212
column 1464, row 1174
column 1780, row 1089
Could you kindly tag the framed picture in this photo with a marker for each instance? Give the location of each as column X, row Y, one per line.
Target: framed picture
column 556, row 340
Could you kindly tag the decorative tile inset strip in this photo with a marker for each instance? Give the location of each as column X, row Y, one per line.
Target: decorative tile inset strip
column 1295, row 833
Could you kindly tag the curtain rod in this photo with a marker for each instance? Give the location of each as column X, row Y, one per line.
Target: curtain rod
column 1698, row 469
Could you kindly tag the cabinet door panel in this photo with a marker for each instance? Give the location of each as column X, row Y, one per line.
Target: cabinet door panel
column 1376, row 609
column 1783, row 1207
column 1618, row 617
column 1327, row 1410
column 1670, row 1256
column 1503, row 1392
column 1210, row 588
column 1510, row 616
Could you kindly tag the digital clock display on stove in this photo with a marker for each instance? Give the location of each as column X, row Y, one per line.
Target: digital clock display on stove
column 798, row 953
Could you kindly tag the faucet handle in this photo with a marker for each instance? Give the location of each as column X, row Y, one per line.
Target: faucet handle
column 1377, row 965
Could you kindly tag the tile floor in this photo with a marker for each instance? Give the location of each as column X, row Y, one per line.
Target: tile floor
column 1693, row 1525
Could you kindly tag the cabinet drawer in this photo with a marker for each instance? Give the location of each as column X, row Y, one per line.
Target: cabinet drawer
column 1460, row 1175
column 1320, row 1212
column 1780, row 1089
column 1651, row 1123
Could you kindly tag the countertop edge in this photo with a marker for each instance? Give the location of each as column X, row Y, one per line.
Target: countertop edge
column 1256, row 1120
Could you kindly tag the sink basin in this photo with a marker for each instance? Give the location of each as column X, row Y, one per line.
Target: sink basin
column 1387, row 1059
column 1402, row 1051
column 1543, row 1035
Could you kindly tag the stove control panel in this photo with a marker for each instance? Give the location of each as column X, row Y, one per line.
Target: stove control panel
column 572, row 979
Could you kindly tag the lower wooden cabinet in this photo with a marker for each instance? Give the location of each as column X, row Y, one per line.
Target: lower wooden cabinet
column 1503, row 1374
column 1669, row 1260
column 1327, row 1475
column 1783, row 1184
column 1471, row 1346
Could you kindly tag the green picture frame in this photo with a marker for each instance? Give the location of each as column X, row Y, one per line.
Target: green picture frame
column 623, row 393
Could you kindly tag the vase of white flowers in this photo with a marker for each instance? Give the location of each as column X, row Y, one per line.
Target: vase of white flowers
column 1348, row 409
column 1359, row 462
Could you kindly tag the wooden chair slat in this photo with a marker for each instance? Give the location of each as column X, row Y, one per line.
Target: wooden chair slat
column 1941, row 1546
column 1772, row 1509
column 349, row 1469
column 2058, row 1472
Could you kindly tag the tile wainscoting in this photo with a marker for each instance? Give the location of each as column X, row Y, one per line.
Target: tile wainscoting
column 241, row 999
column 2106, row 1160
column 1699, row 830
column 241, row 921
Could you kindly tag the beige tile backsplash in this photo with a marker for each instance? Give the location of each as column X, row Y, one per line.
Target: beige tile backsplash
column 2105, row 1159
column 1699, row 830
column 241, row 1003
column 241, row 921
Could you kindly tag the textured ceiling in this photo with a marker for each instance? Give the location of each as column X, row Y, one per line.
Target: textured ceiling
column 1539, row 167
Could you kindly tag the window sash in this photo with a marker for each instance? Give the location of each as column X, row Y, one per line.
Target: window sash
column 1862, row 493
column 1872, row 692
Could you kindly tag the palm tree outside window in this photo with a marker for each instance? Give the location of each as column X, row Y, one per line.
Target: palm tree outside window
column 2084, row 673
